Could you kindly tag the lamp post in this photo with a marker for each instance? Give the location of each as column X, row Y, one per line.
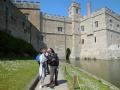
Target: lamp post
column 65, row 38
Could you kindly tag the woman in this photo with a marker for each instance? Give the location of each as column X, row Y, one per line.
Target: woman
column 42, row 68
column 54, row 63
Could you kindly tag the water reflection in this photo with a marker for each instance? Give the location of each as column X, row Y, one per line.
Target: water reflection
column 107, row 69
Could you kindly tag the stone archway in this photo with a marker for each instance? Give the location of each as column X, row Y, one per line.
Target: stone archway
column 68, row 52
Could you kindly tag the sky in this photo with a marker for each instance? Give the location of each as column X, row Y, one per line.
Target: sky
column 60, row 7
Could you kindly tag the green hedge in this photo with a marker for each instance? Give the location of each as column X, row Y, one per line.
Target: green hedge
column 12, row 46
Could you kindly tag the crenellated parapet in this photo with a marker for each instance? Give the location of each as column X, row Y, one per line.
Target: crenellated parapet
column 100, row 11
column 27, row 4
column 111, row 12
column 56, row 17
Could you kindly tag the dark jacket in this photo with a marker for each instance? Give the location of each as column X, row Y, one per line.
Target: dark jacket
column 53, row 59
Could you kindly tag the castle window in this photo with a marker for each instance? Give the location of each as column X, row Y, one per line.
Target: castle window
column 95, row 39
column 82, row 28
column 25, row 31
column 111, row 26
column 59, row 29
column 96, row 24
column 13, row 20
column 82, row 41
column 118, row 25
column 110, row 20
column 23, row 24
column 77, row 10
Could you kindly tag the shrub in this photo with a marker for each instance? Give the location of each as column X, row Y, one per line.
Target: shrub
column 11, row 46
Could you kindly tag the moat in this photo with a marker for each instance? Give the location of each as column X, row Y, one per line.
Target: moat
column 108, row 70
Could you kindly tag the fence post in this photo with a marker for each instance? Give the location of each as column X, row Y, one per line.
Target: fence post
column 74, row 82
column 65, row 70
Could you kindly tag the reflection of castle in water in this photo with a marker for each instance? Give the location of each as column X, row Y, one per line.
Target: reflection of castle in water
column 96, row 35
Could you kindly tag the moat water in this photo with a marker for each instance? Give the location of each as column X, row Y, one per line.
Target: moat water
column 108, row 70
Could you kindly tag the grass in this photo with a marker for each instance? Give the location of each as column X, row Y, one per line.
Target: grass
column 84, row 81
column 17, row 74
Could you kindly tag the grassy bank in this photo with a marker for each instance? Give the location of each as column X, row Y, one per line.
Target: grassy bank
column 17, row 74
column 82, row 81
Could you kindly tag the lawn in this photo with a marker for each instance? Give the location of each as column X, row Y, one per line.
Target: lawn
column 17, row 74
column 83, row 80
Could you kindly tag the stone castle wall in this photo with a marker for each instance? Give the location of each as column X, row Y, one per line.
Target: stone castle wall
column 31, row 10
column 100, row 42
column 113, row 34
column 107, row 35
column 95, row 40
column 58, row 40
column 15, row 23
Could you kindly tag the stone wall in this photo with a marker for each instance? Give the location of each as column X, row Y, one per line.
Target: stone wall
column 94, row 38
column 15, row 23
column 58, row 40
column 31, row 10
column 101, row 42
column 100, row 38
column 113, row 34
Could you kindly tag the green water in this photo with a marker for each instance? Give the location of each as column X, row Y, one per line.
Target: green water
column 108, row 70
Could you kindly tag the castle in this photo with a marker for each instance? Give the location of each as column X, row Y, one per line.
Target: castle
column 96, row 35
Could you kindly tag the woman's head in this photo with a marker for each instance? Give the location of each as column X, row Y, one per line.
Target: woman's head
column 50, row 50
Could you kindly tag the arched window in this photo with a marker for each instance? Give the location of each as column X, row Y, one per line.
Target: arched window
column 95, row 39
column 82, row 41
column 96, row 23
column 77, row 10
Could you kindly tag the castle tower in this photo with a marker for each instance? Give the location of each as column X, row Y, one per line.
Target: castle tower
column 74, row 10
column 31, row 10
column 74, row 14
column 89, row 8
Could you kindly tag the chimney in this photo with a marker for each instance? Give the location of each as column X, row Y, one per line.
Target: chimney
column 89, row 7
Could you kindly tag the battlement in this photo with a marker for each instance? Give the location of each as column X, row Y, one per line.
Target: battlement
column 102, row 10
column 112, row 12
column 97, row 12
column 75, row 4
column 27, row 4
column 107, row 9
column 56, row 17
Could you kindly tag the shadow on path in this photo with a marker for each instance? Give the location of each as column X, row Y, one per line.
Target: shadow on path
column 61, row 81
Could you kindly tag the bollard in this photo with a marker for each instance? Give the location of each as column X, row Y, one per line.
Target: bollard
column 65, row 70
column 74, row 82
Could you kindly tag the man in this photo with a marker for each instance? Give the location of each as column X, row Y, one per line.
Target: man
column 53, row 61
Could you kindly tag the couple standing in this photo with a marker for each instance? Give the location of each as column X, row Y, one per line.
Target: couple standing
column 48, row 59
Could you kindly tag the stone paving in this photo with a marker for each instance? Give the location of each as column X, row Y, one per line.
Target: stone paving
column 62, row 83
